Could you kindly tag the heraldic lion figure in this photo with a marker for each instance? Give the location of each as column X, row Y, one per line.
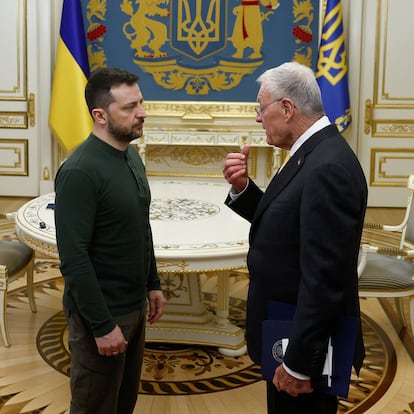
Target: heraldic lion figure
column 247, row 30
column 146, row 35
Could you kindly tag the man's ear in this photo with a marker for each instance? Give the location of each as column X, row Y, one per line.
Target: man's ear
column 99, row 115
column 287, row 106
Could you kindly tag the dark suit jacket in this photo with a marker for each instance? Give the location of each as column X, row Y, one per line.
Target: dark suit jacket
column 304, row 241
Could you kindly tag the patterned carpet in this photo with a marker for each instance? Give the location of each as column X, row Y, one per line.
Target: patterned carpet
column 178, row 370
column 169, row 369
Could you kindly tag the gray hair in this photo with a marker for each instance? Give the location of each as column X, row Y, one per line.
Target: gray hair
column 297, row 82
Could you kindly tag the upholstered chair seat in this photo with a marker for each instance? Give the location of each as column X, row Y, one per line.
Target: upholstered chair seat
column 16, row 260
column 384, row 273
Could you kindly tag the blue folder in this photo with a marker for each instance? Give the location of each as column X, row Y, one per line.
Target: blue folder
column 343, row 340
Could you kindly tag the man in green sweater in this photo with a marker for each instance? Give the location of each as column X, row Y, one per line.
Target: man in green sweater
column 106, row 250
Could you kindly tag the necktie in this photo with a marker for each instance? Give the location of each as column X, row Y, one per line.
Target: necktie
column 287, row 158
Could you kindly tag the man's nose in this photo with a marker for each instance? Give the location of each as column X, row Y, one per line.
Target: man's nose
column 141, row 112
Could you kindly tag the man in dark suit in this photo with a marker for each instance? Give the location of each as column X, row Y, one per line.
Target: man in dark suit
column 304, row 237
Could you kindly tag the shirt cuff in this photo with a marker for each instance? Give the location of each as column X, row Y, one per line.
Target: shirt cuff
column 297, row 375
column 233, row 195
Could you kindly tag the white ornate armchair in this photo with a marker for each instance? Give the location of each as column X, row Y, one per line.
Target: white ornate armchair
column 389, row 271
column 16, row 260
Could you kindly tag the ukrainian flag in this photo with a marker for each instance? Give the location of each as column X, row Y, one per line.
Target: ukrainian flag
column 332, row 70
column 69, row 118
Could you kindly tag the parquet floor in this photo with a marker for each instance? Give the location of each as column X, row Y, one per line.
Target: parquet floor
column 245, row 400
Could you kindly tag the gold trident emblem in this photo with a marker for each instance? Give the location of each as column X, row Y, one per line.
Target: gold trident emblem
column 328, row 64
column 194, row 30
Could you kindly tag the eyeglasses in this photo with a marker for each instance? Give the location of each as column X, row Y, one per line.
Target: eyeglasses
column 260, row 110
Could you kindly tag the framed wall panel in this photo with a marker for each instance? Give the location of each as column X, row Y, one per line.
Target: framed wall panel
column 14, row 157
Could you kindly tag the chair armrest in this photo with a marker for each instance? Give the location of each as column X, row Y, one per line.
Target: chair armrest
column 385, row 227
column 394, row 251
column 391, row 251
column 376, row 226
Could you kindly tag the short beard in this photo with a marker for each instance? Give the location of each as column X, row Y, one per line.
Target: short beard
column 121, row 134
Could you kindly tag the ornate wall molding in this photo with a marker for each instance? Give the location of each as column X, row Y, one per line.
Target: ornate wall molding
column 13, row 120
column 14, row 157
column 393, row 128
column 13, row 83
column 389, row 166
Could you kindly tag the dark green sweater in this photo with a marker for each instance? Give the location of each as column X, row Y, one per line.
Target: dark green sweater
column 103, row 233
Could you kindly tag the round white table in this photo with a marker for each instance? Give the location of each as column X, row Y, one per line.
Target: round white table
column 194, row 233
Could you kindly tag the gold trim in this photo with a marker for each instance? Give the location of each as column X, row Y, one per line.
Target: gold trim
column 181, row 265
column 202, row 313
column 166, row 117
column 379, row 30
column 194, row 173
column 46, row 174
column 183, row 174
column 384, row 63
column 172, row 291
column 13, row 120
column 253, row 165
column 22, row 152
column 393, row 106
column 61, row 155
column 393, row 128
column 212, row 270
column 40, row 246
column 381, row 161
column 21, row 43
column 31, row 109
column 25, row 66
column 368, row 116
column 270, row 162
column 376, row 57
column 192, row 323
column 195, row 110
column 385, row 94
column 218, row 332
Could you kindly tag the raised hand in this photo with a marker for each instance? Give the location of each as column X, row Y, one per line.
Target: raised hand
column 235, row 169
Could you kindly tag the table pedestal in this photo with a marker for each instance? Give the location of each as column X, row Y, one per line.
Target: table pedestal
column 186, row 319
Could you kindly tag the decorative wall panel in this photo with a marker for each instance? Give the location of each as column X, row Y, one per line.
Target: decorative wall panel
column 389, row 166
column 13, row 120
column 393, row 128
column 13, row 157
column 191, row 161
column 13, row 82
column 387, row 100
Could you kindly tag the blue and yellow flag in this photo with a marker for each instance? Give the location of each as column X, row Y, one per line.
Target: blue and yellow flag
column 69, row 118
column 332, row 69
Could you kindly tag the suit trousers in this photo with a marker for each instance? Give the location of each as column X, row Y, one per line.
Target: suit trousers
column 105, row 384
column 314, row 403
